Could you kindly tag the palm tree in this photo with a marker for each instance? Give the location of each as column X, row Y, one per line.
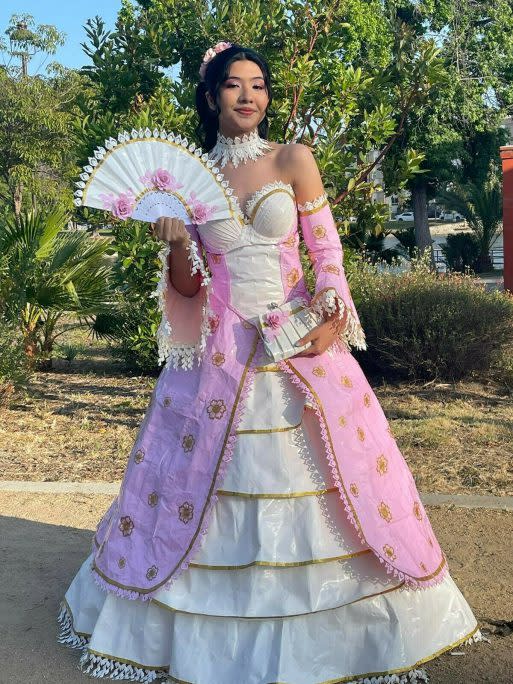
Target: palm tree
column 49, row 273
column 482, row 209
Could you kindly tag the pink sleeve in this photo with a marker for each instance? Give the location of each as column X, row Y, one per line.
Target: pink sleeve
column 184, row 324
column 331, row 287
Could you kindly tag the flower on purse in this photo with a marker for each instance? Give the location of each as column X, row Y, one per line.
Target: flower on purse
column 273, row 321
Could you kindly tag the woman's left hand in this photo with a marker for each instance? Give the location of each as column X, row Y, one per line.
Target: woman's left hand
column 322, row 336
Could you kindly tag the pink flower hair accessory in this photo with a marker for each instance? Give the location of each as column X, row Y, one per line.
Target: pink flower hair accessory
column 210, row 54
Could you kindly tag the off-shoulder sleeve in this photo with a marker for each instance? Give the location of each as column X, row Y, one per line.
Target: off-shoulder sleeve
column 332, row 292
column 185, row 321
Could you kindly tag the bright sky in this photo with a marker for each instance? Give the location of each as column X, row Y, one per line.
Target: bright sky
column 67, row 16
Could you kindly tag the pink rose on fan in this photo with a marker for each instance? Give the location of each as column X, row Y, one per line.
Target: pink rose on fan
column 201, row 212
column 163, row 180
column 160, row 179
column 121, row 206
column 274, row 320
column 124, row 205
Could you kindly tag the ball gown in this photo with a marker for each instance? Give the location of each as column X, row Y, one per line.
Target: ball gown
column 281, row 584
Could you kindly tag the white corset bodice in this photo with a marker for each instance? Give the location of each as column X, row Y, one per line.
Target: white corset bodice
column 249, row 245
column 270, row 215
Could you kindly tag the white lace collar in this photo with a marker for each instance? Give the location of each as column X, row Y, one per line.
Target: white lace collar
column 239, row 149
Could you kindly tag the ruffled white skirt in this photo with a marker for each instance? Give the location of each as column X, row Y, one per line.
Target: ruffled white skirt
column 282, row 591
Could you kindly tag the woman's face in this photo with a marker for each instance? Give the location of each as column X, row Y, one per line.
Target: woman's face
column 242, row 98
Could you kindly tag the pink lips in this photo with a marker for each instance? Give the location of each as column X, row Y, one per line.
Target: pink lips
column 245, row 111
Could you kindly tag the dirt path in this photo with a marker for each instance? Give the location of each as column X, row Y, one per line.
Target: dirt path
column 44, row 539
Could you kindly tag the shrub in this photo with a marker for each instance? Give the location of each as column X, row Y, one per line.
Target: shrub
column 48, row 272
column 14, row 365
column 133, row 321
column 423, row 325
column 461, row 251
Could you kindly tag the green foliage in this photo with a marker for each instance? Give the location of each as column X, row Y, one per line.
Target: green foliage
column 461, row 251
column 458, row 128
column 420, row 325
column 14, row 366
column 36, row 158
column 26, row 40
column 481, row 207
column 406, row 238
column 133, row 322
column 339, row 75
column 50, row 272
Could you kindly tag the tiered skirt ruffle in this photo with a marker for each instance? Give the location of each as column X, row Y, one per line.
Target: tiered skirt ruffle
column 282, row 590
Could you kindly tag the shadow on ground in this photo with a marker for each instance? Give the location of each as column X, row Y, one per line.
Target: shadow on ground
column 39, row 561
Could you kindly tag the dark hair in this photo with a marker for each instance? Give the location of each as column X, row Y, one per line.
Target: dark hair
column 216, row 73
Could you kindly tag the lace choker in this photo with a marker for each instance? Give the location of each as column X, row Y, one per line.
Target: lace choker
column 239, row 149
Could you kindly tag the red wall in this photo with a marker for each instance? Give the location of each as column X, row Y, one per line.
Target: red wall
column 507, row 185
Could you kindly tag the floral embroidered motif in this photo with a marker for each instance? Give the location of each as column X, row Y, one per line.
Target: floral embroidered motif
column 186, row 511
column 247, row 325
column 293, row 277
column 188, row 443
column 360, row 433
column 319, row 371
column 331, row 268
column 384, row 511
column 218, row 358
column 346, row 381
column 389, row 552
column 167, row 401
column 366, row 400
column 216, row 258
column 342, row 421
column 213, row 322
column 122, row 562
column 319, row 231
column 417, row 512
column 126, row 526
column 153, row 499
column 139, row 456
column 152, row 572
column 216, row 409
column 290, row 241
column 382, row 464
column 353, row 487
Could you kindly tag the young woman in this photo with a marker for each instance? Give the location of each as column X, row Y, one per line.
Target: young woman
column 268, row 529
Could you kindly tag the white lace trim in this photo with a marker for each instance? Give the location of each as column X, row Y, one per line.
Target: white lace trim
column 105, row 667
column 239, row 149
column 181, row 355
column 352, row 333
column 411, row 677
column 314, row 204
column 261, row 192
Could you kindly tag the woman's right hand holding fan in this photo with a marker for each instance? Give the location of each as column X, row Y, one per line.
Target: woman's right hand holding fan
column 171, row 230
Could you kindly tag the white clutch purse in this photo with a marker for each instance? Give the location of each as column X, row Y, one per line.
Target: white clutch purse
column 281, row 326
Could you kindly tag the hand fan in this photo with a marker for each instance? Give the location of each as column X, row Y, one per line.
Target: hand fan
column 148, row 174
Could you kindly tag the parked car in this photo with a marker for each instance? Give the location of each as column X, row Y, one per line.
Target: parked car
column 405, row 216
column 450, row 216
